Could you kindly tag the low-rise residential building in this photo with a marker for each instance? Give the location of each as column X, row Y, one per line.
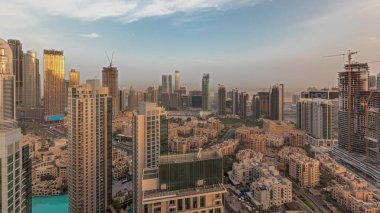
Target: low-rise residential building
column 271, row 192
column 295, row 138
column 120, row 166
column 184, row 145
column 303, row 169
column 356, row 200
column 277, row 127
column 227, row 147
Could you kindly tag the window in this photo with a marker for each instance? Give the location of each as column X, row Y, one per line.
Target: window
column 195, row 202
column 179, row 205
column 202, row 201
column 187, row 203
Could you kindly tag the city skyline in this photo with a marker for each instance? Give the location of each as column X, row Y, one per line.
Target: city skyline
column 223, row 38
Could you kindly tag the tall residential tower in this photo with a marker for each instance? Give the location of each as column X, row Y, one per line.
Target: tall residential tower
column 15, row 176
column 89, row 149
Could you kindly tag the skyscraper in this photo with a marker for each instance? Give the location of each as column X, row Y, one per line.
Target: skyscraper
column 277, row 102
column 146, row 150
column 110, row 79
column 167, row 86
column 264, row 104
column 221, row 100
column 152, row 95
column 74, row 78
column 15, row 179
column 243, row 105
column 54, row 82
column 350, row 86
column 31, row 85
column 122, row 100
column 378, row 82
column 89, row 149
column 235, row 101
column 255, row 107
column 205, row 91
column 319, row 118
column 132, row 99
column 177, row 80
column 17, row 53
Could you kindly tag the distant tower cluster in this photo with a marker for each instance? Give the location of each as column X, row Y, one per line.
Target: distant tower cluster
column 269, row 104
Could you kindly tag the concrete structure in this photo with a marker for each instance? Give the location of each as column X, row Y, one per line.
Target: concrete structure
column 15, row 168
column 110, row 79
column 54, row 82
column 17, row 63
column 295, row 138
column 221, row 100
column 227, row 147
column 31, row 84
column 277, row 127
column 74, row 78
column 146, row 136
column 319, row 118
column 185, row 186
column 303, row 169
column 90, row 149
column 205, row 91
column 271, row 192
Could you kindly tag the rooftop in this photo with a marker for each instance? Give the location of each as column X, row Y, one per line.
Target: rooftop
column 190, row 157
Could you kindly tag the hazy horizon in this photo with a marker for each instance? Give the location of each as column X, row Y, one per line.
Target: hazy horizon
column 247, row 44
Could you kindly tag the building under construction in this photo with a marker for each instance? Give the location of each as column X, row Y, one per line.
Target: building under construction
column 359, row 118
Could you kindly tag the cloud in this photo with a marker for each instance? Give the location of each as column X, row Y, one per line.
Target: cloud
column 90, row 35
column 123, row 10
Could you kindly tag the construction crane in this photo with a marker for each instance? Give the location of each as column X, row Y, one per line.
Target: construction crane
column 349, row 101
column 110, row 60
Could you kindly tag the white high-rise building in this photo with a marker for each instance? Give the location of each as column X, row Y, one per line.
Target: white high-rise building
column 319, row 118
column 146, row 150
column 14, row 185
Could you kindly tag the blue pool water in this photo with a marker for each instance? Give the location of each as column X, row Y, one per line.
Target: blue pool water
column 56, row 204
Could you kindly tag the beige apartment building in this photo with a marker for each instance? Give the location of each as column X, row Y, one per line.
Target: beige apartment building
column 271, row 191
column 303, row 169
column 90, row 149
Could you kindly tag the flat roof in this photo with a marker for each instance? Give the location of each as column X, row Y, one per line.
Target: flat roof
column 190, row 157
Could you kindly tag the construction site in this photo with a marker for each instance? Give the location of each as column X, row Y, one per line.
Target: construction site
column 359, row 121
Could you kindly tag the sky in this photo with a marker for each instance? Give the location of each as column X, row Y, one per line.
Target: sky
column 247, row 44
